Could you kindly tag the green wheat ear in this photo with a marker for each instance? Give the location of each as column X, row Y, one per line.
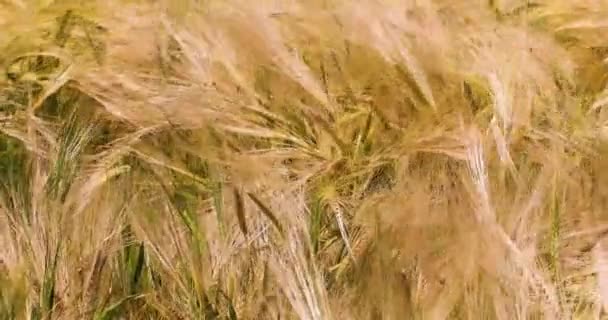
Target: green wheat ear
column 316, row 224
column 48, row 290
column 218, row 203
column 75, row 138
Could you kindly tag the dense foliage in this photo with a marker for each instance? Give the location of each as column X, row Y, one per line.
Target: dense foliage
column 314, row 159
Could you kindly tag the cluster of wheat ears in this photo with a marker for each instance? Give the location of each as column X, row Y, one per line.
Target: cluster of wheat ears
column 312, row 159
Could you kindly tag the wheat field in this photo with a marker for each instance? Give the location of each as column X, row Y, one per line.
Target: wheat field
column 303, row 159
